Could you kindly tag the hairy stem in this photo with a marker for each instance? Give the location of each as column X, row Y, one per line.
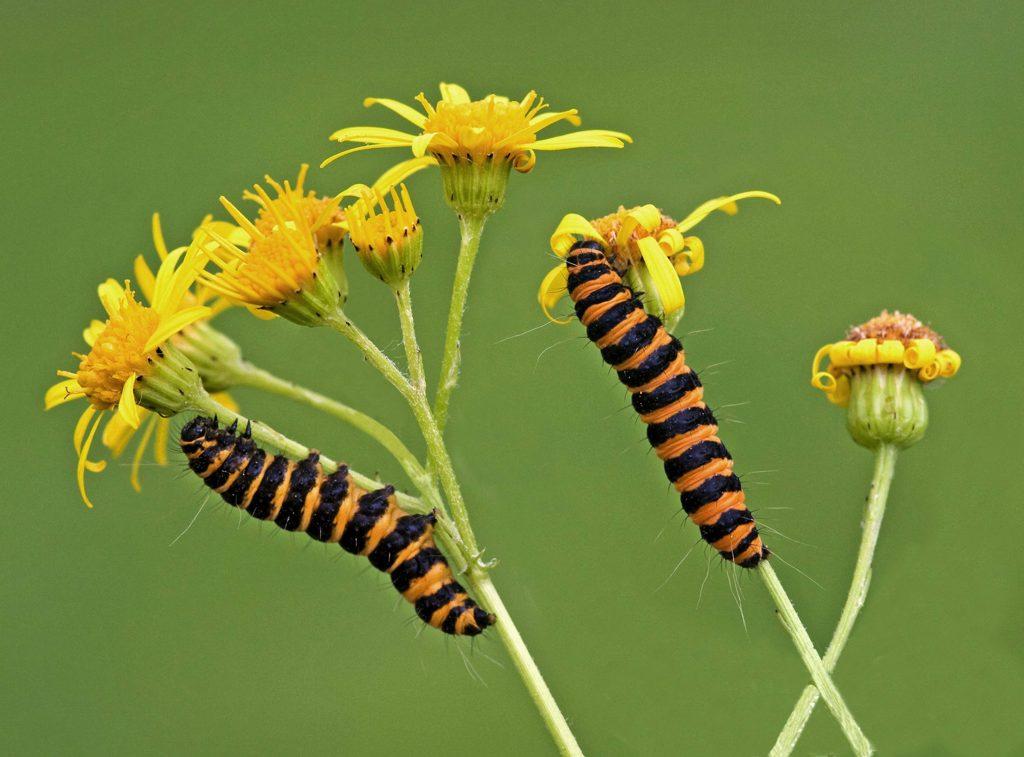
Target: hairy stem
column 428, row 427
column 477, row 576
column 488, row 596
column 258, row 378
column 815, row 666
column 885, row 467
column 471, row 228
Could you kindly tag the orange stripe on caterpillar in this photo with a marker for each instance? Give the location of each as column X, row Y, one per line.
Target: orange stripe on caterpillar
column 299, row 496
column 669, row 398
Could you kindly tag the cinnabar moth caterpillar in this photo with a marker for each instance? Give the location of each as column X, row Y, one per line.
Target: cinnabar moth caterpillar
column 299, row 496
column 668, row 396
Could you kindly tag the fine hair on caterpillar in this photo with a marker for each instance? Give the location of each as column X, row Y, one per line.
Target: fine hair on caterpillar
column 300, row 496
column 668, row 397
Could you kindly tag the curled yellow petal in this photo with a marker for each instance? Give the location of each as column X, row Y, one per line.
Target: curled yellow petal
column 571, row 226
column 726, row 204
column 691, row 259
column 127, row 407
column 663, row 275
column 919, row 354
column 83, row 454
column 552, row 289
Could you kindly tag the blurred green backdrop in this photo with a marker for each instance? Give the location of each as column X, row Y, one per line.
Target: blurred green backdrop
column 892, row 135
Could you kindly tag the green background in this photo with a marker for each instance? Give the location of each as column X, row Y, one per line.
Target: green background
column 892, row 135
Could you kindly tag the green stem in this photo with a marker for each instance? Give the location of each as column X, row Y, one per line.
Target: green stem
column 885, row 467
column 471, row 228
column 477, row 576
column 413, row 353
column 820, row 676
column 264, row 434
column 417, row 401
column 253, row 376
column 487, row 594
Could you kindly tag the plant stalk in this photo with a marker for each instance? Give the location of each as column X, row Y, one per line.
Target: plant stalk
column 477, row 575
column 471, row 228
column 815, row 666
column 885, row 467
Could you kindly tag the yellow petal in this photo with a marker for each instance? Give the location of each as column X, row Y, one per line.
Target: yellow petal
column 61, row 392
column 140, row 451
column 453, row 93
column 409, row 114
column 175, row 323
column 81, row 426
column 339, row 155
column 144, row 278
column 586, row 138
column 127, row 407
column 163, row 428
column 117, row 433
column 691, row 259
column 158, row 237
column 422, row 142
column 543, row 121
column 92, row 332
column 372, row 135
column 83, row 457
column 225, row 399
column 401, row 171
column 647, row 217
column 552, row 289
column 111, row 296
column 670, row 290
column 726, row 204
column 571, row 226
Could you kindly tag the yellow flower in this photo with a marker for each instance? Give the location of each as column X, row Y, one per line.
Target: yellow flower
column 321, row 214
column 474, row 141
column 282, row 268
column 117, row 434
column 644, row 239
column 127, row 354
column 891, row 339
column 389, row 241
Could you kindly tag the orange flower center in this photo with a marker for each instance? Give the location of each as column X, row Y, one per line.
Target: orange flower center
column 481, row 128
column 117, row 353
column 625, row 252
column 313, row 209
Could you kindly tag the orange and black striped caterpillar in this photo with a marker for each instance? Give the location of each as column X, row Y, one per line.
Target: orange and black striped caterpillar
column 299, row 496
column 668, row 396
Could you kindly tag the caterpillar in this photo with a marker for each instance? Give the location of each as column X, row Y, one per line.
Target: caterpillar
column 668, row 397
column 299, row 496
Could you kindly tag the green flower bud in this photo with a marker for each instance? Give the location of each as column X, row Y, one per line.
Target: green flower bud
column 389, row 241
column 886, row 406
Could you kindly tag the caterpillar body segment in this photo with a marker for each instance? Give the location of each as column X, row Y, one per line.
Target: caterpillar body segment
column 299, row 496
column 669, row 397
